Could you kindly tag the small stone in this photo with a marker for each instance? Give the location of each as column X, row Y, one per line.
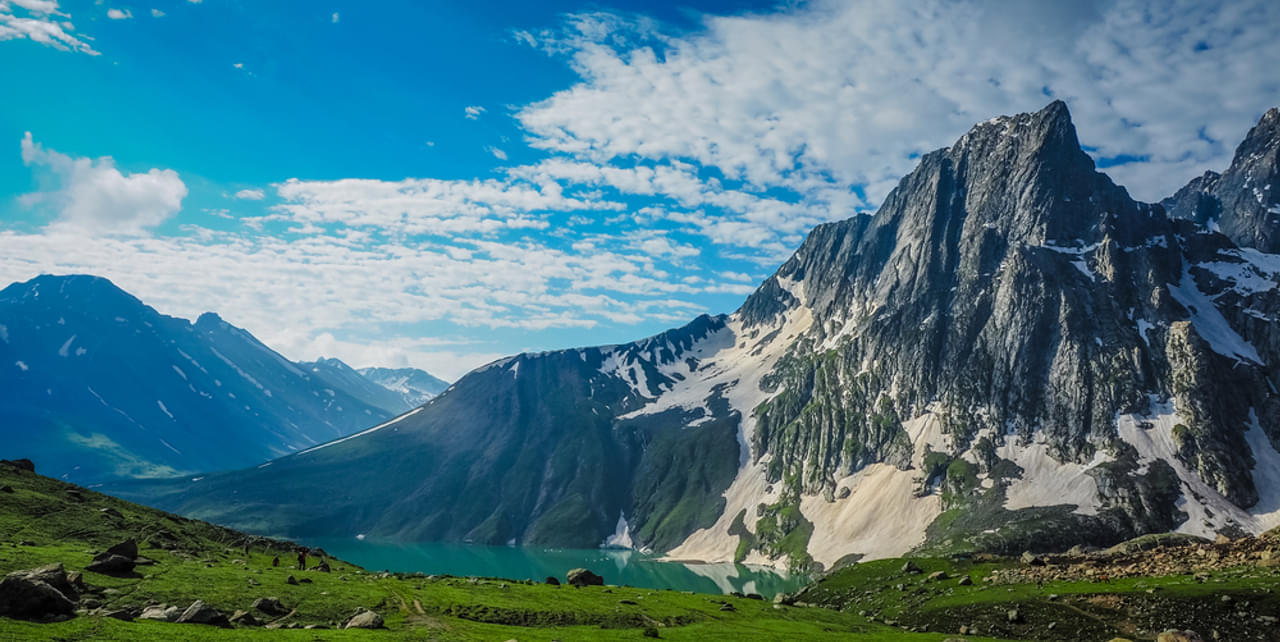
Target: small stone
column 291, row 580
column 965, row 581
column 1014, row 616
column 911, row 568
column 937, row 575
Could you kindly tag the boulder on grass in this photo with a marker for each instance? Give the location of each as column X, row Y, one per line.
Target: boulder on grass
column 42, row 594
column 364, row 619
column 201, row 613
column 270, row 606
column 584, row 577
column 160, row 612
column 552, row 581
column 109, row 564
column 127, row 548
column 244, row 618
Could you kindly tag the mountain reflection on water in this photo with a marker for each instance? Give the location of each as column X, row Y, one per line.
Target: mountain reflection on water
column 615, row 566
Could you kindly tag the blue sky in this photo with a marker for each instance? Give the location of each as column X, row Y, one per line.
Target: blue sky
column 438, row 184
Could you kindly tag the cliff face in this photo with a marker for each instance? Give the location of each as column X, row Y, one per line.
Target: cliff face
column 1011, row 353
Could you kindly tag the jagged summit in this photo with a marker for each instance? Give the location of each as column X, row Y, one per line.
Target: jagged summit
column 1244, row 201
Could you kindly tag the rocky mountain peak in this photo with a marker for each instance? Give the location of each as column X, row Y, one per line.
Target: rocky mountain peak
column 1009, row 182
column 1244, row 201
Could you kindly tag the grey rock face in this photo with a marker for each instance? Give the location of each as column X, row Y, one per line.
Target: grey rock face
column 1002, row 279
column 1244, row 201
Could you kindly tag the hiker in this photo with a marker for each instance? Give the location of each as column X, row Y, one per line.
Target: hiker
column 275, row 561
column 246, row 548
column 302, row 559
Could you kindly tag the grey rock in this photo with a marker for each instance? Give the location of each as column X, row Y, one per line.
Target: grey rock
column 1239, row 202
column 244, row 618
column 269, row 605
column 42, row 593
column 583, row 577
column 200, row 613
column 109, row 564
column 364, row 619
column 160, row 612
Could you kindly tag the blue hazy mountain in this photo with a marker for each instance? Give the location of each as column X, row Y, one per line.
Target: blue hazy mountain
column 94, row 384
column 415, row 386
column 341, row 376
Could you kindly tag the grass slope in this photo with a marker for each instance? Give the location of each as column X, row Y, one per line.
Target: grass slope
column 41, row 522
column 1240, row 602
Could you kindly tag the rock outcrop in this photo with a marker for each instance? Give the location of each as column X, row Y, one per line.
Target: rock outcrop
column 41, row 594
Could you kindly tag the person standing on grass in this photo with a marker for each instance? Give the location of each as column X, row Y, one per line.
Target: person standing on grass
column 302, row 559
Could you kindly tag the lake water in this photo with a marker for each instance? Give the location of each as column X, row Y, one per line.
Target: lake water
column 615, row 566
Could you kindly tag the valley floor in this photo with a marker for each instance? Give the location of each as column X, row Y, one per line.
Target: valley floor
column 45, row 521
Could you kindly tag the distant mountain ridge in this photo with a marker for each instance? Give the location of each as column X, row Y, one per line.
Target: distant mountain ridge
column 414, row 386
column 94, row 385
column 343, row 377
column 1010, row 354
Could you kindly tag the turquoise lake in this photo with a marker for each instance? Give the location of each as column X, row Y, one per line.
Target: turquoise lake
column 615, row 566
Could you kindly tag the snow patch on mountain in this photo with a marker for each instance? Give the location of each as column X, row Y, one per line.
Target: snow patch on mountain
column 364, row 432
column 1208, row 510
column 1210, row 323
column 1048, row 482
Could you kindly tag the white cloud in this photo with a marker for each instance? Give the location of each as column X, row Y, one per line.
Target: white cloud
column 95, row 195
column 250, row 194
column 428, row 206
column 842, row 94
column 41, row 21
column 335, row 17
column 473, row 112
column 497, row 153
column 156, row 13
column 118, row 14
